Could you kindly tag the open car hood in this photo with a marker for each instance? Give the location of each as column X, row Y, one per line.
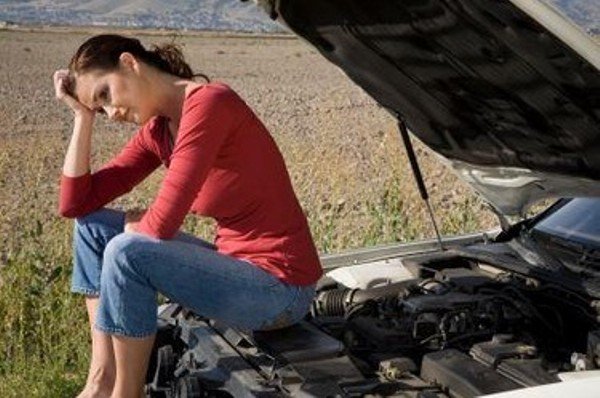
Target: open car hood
column 507, row 91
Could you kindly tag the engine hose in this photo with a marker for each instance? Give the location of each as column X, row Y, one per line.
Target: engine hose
column 335, row 302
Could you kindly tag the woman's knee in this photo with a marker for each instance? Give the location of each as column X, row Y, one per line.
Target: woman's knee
column 97, row 228
column 121, row 252
column 91, row 235
column 100, row 220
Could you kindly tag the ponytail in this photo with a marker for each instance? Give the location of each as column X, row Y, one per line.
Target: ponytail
column 169, row 58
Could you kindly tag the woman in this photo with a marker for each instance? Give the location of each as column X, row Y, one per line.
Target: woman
column 221, row 163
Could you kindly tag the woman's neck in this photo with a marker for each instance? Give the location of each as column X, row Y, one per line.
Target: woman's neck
column 170, row 93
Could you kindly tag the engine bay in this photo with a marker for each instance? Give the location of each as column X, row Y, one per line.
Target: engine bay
column 453, row 327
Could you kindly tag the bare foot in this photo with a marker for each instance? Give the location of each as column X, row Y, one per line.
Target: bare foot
column 95, row 391
column 99, row 385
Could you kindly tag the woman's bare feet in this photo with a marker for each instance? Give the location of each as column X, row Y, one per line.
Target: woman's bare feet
column 95, row 391
column 100, row 383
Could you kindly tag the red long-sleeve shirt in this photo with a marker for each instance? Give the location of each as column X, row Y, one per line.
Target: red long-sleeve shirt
column 225, row 165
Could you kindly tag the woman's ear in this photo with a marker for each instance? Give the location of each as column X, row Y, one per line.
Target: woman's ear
column 129, row 62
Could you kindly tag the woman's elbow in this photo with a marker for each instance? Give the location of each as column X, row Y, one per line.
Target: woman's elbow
column 68, row 212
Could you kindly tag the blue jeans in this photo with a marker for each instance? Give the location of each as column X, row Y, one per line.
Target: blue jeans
column 126, row 270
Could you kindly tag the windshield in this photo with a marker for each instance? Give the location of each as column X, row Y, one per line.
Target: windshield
column 577, row 221
column 583, row 13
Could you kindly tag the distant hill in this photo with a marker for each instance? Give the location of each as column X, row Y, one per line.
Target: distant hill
column 585, row 13
column 177, row 14
column 199, row 14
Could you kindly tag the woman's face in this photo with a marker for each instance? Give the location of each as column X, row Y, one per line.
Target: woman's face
column 121, row 94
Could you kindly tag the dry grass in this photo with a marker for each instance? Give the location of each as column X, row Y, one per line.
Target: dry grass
column 343, row 152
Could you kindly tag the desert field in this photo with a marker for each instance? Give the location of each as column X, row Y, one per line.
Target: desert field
column 343, row 152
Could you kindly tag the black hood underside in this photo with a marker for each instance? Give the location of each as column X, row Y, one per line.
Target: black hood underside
column 479, row 81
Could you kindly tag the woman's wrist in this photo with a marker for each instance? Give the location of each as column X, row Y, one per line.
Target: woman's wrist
column 85, row 117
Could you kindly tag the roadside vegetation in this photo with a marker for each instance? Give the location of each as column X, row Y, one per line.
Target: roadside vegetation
column 356, row 188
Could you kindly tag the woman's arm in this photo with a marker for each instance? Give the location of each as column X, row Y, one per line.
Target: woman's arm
column 77, row 158
column 82, row 192
column 87, row 192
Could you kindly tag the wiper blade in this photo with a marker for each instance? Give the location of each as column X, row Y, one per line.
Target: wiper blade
column 534, row 253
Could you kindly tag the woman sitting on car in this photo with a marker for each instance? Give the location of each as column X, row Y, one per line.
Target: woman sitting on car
column 221, row 163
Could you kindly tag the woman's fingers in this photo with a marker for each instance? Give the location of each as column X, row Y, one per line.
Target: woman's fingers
column 61, row 81
column 62, row 89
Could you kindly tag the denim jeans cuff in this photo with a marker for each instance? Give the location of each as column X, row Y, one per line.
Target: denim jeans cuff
column 123, row 333
column 85, row 290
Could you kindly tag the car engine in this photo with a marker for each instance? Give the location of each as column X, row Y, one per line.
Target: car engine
column 457, row 328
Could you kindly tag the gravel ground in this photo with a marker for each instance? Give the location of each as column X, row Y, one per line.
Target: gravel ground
column 293, row 89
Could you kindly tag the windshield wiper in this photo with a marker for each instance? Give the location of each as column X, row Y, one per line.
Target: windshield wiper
column 532, row 251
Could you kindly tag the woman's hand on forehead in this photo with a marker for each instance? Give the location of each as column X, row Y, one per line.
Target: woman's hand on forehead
column 63, row 88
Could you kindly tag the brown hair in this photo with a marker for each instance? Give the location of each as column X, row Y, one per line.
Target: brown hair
column 102, row 52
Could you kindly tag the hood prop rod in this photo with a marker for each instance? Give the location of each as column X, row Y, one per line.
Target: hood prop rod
column 412, row 158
